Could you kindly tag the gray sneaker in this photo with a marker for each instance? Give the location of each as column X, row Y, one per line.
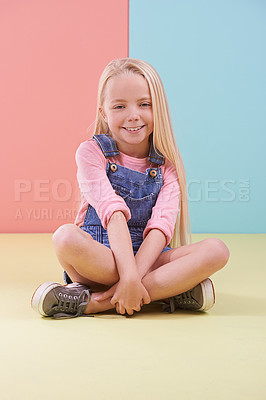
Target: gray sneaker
column 61, row 301
column 200, row 298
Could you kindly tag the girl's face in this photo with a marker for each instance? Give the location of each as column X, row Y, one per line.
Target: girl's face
column 127, row 109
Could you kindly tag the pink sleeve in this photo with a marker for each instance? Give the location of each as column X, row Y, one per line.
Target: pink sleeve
column 94, row 184
column 166, row 209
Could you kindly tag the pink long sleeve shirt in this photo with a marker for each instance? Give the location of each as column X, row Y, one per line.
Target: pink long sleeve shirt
column 97, row 190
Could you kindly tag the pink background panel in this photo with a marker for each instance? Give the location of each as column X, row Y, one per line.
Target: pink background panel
column 52, row 54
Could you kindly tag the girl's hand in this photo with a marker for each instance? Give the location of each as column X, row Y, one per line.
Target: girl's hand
column 106, row 295
column 128, row 295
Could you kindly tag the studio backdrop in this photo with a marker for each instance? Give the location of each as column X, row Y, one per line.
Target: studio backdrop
column 210, row 56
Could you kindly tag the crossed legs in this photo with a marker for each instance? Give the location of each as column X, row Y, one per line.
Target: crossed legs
column 175, row 271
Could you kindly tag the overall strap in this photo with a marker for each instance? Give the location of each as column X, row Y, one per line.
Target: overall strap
column 155, row 156
column 107, row 145
column 109, row 149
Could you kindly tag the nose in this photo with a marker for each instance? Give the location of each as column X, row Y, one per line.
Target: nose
column 133, row 114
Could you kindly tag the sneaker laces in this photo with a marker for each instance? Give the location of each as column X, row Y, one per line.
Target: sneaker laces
column 180, row 299
column 72, row 306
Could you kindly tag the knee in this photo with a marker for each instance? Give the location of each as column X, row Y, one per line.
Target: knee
column 218, row 252
column 64, row 236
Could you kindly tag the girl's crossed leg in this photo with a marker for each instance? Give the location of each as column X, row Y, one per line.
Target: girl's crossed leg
column 175, row 271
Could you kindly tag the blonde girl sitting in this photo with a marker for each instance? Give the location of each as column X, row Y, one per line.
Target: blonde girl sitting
column 130, row 243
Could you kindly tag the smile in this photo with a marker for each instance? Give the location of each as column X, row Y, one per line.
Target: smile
column 138, row 128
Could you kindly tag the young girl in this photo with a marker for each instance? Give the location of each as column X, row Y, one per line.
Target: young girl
column 134, row 203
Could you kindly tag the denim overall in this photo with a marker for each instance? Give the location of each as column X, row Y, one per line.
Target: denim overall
column 139, row 191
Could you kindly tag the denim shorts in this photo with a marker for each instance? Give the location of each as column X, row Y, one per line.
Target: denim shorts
column 99, row 234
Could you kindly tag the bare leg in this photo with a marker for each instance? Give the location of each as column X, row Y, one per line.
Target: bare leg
column 174, row 272
column 181, row 269
column 84, row 259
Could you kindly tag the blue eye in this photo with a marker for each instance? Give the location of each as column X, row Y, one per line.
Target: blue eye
column 118, row 107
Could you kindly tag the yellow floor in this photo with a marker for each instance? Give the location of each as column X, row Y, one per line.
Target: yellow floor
column 153, row 356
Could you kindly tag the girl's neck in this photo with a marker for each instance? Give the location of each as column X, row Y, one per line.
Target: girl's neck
column 134, row 150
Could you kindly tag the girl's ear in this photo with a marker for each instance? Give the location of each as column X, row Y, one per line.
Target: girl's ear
column 103, row 114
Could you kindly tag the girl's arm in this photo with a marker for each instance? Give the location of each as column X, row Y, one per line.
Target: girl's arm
column 149, row 251
column 130, row 294
column 160, row 227
column 95, row 187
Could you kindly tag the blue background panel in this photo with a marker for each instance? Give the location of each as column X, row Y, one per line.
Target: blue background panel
column 211, row 57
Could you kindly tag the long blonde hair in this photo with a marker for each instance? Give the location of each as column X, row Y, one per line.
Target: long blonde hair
column 163, row 135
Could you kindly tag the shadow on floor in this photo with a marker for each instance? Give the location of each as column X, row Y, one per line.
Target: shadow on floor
column 226, row 305
column 153, row 311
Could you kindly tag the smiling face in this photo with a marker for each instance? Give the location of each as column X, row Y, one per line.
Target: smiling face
column 127, row 109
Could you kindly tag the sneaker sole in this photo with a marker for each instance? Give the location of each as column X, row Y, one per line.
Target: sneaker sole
column 39, row 296
column 208, row 295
